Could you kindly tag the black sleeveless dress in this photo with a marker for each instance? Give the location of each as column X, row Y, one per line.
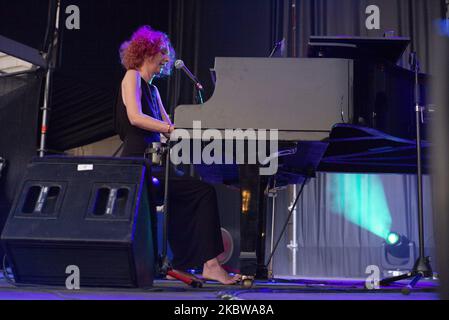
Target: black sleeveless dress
column 194, row 231
column 135, row 139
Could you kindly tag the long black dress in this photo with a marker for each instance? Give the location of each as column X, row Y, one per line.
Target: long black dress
column 194, row 232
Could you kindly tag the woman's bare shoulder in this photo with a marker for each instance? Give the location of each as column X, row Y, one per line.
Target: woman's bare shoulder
column 131, row 77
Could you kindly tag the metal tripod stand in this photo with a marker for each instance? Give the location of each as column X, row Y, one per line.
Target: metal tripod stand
column 422, row 268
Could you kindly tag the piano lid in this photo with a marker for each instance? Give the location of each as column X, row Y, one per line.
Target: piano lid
column 302, row 98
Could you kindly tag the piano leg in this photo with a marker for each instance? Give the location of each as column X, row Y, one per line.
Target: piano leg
column 252, row 222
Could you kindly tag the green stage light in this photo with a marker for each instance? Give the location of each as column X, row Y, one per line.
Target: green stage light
column 398, row 253
column 392, row 238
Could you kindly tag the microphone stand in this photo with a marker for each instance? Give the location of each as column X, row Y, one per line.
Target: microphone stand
column 165, row 266
column 422, row 268
column 199, row 96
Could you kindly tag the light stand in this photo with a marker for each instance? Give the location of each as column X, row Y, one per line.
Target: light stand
column 293, row 245
column 292, row 210
column 50, row 57
column 422, row 268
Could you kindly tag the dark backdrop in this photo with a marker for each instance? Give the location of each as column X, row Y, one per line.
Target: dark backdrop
column 19, row 105
column 89, row 71
column 407, row 18
column 24, row 21
column 203, row 30
column 89, row 74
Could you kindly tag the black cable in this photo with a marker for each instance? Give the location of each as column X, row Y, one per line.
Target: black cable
column 286, row 222
column 234, row 294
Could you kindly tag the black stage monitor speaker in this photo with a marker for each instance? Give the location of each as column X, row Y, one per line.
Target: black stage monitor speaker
column 91, row 213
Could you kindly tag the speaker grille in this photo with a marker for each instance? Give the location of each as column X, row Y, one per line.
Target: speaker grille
column 46, row 263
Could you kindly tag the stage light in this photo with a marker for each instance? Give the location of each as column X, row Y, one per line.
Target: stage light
column 393, row 238
column 361, row 199
column 398, row 254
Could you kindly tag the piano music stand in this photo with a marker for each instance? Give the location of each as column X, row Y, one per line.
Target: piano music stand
column 422, row 268
column 374, row 49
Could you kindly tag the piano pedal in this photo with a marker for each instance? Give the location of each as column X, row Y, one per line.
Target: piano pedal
column 273, row 192
column 247, row 282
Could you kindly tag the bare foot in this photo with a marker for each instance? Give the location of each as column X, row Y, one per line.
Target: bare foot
column 212, row 270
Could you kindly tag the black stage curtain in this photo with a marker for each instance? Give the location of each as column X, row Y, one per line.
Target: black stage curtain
column 24, row 21
column 89, row 72
column 19, row 112
column 407, row 18
column 204, row 30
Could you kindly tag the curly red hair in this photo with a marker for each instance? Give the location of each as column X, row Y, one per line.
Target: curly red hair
column 145, row 43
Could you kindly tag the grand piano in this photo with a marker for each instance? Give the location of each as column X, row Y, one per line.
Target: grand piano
column 331, row 112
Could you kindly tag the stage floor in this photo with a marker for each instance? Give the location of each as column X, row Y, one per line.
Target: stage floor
column 281, row 289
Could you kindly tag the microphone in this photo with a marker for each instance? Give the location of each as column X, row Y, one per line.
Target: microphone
column 179, row 64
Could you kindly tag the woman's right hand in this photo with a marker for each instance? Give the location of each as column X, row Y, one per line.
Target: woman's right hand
column 171, row 128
